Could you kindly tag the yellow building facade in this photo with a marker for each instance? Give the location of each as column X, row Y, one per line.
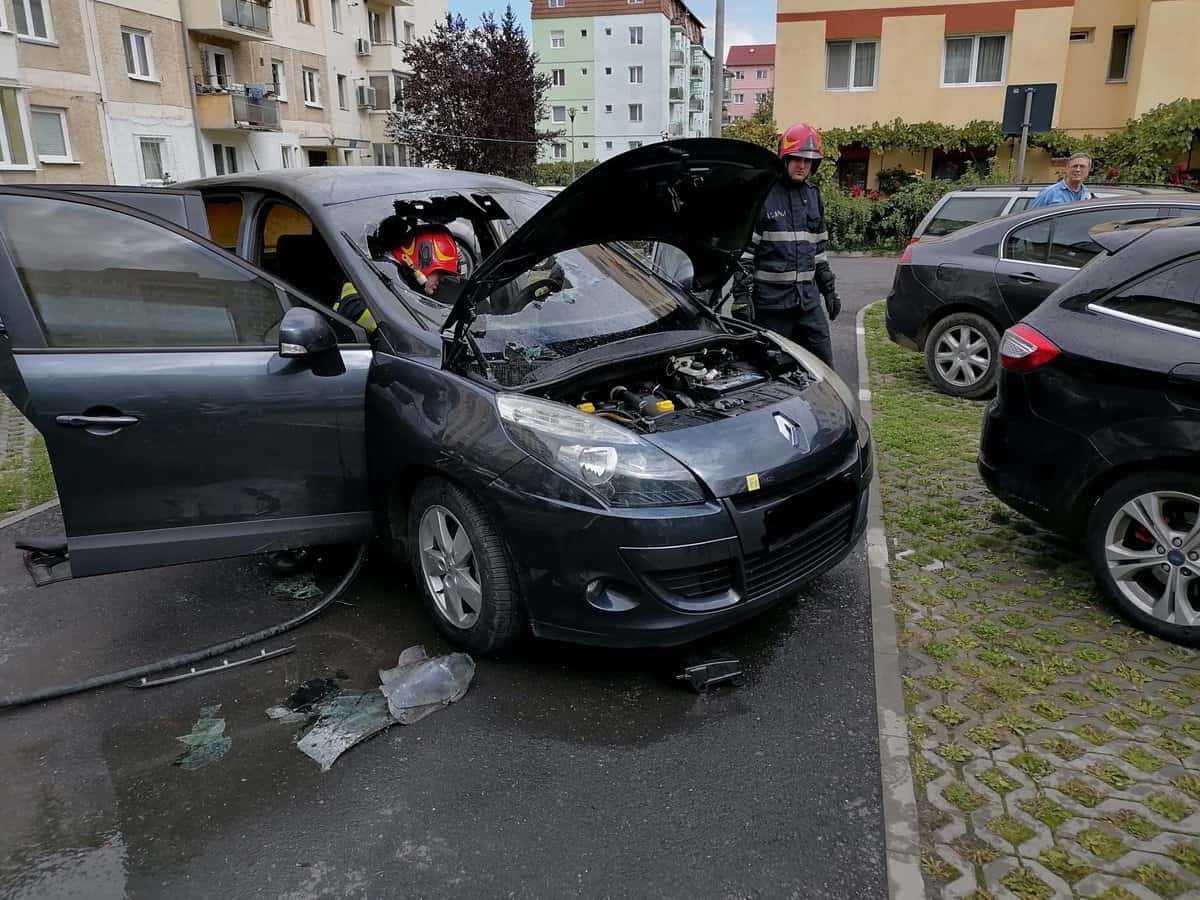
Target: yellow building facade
column 842, row 63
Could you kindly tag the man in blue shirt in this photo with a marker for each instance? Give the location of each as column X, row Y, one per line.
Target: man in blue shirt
column 1070, row 189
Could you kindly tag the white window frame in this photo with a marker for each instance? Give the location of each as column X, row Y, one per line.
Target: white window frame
column 761, row 74
column 285, row 152
column 558, row 77
column 315, row 83
column 640, row 72
column 558, row 40
column 410, row 32
column 69, row 159
column 304, row 6
column 343, row 98
column 639, row 32
column 739, row 98
column 740, row 74
column 130, row 35
column 49, row 37
column 850, row 72
column 608, row 107
column 560, row 150
column 335, row 15
column 975, row 59
column 1124, row 79
column 6, row 163
column 641, row 112
column 281, row 84
column 556, row 4
column 1081, row 35
column 633, row 145
column 554, row 114
column 376, row 17
column 164, row 141
column 213, row 52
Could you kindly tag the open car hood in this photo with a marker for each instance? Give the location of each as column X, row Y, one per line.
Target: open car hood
column 701, row 194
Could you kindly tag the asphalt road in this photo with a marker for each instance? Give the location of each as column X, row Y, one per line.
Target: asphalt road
column 563, row 772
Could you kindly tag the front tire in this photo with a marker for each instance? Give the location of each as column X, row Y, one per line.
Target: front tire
column 1143, row 539
column 962, row 356
column 463, row 569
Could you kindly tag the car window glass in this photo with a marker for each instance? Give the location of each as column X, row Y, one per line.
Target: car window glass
column 1073, row 245
column 1029, row 243
column 292, row 249
column 1170, row 296
column 959, row 212
column 1021, row 204
column 224, row 219
column 98, row 278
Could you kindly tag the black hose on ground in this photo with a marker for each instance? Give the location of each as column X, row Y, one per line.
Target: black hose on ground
column 187, row 659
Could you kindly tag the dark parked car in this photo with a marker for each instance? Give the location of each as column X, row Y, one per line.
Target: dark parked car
column 566, row 442
column 952, row 297
column 1095, row 427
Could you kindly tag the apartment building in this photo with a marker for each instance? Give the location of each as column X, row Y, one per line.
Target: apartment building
column 951, row 62
column 623, row 73
column 753, row 70
column 157, row 91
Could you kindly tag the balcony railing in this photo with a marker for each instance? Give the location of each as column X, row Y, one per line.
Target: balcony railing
column 676, row 93
column 251, row 113
column 246, row 14
column 675, row 129
column 695, row 104
column 677, row 58
column 223, row 106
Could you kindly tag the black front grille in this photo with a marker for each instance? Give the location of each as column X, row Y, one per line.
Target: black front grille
column 801, row 557
column 697, row 582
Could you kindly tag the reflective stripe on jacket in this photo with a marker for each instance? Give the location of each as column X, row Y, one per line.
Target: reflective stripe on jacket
column 354, row 308
column 788, row 242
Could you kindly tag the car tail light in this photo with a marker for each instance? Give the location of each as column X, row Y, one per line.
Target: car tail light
column 1024, row 349
column 906, row 256
column 914, row 240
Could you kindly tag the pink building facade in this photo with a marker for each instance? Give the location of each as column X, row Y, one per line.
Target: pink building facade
column 753, row 68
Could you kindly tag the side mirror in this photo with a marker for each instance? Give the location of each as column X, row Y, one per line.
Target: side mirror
column 305, row 333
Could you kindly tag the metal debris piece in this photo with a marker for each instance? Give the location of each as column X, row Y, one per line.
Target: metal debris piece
column 418, row 685
column 206, row 742
column 701, row 675
column 345, row 720
column 298, row 587
column 905, row 554
column 225, row 664
column 936, row 566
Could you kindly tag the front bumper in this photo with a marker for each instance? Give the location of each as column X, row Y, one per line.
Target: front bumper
column 660, row 577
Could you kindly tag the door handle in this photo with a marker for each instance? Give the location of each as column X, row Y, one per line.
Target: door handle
column 1025, row 278
column 96, row 421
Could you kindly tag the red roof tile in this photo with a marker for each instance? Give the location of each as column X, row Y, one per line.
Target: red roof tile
column 751, row 54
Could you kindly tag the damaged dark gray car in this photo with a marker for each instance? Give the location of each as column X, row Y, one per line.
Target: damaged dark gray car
column 565, row 441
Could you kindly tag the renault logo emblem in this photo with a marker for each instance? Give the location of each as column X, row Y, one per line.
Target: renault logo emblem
column 792, row 432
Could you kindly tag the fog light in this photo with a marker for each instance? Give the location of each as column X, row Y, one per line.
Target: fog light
column 594, row 589
column 609, row 597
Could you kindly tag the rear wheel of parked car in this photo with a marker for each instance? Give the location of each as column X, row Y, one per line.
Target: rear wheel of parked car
column 1143, row 538
column 463, row 568
column 962, row 355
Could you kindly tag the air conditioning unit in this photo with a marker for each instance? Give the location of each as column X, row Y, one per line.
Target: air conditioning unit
column 365, row 96
column 362, row 46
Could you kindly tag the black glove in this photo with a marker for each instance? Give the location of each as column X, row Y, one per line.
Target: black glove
column 833, row 303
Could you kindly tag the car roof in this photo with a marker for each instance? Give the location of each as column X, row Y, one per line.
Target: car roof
column 327, row 185
column 1041, row 185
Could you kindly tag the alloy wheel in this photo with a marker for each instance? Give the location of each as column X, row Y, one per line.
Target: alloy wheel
column 962, row 356
column 449, row 567
column 1152, row 549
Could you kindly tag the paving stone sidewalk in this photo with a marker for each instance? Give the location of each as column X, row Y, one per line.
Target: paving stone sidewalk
column 1056, row 749
column 26, row 478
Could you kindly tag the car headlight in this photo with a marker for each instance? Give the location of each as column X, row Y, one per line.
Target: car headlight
column 822, row 372
column 608, row 460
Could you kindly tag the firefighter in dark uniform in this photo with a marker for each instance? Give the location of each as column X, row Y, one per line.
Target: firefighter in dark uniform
column 791, row 272
column 426, row 256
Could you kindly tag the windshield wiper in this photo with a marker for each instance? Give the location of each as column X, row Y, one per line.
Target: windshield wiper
column 382, row 276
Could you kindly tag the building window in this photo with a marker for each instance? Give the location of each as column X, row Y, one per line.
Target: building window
column 279, row 80
column 761, row 74
column 387, row 154
column 850, row 65
column 341, row 89
column 556, row 4
column 583, row 70
column 975, row 59
column 303, row 12
column 558, row 113
column 558, row 77
column 635, row 74
column 225, row 159
column 635, row 2
column 138, row 59
column 739, row 74
column 381, row 84
column 13, row 151
column 636, row 34
column 375, row 27
column 312, row 87
column 558, row 40
column 153, row 154
column 286, row 153
column 608, row 145
column 608, row 70
column 1118, row 58
column 33, row 19
column 1081, row 35
column 586, row 145
column 585, row 109
column 583, row 32
column 50, row 140
column 608, row 33
column 635, row 112
column 633, row 145
column 608, row 107
column 335, row 15
column 410, row 32
column 560, row 151
column 739, row 98
column 216, row 64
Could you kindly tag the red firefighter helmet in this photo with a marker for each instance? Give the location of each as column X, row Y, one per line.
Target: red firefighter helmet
column 801, row 140
column 428, row 250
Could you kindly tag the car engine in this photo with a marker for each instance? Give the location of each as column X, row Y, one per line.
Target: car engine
column 689, row 388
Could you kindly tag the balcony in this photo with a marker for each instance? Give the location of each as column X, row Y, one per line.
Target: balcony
column 677, row 58
column 697, row 72
column 233, row 109
column 676, row 94
column 696, row 104
column 675, row 129
column 232, row 20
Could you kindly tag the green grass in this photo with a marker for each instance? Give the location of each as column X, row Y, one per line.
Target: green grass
column 26, row 478
column 1101, row 843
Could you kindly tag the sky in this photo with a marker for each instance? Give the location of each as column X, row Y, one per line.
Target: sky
column 746, row 21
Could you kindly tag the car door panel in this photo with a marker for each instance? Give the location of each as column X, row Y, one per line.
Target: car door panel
column 200, row 451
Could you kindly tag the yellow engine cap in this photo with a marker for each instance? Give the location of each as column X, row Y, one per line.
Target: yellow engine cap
column 665, row 406
column 586, row 407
